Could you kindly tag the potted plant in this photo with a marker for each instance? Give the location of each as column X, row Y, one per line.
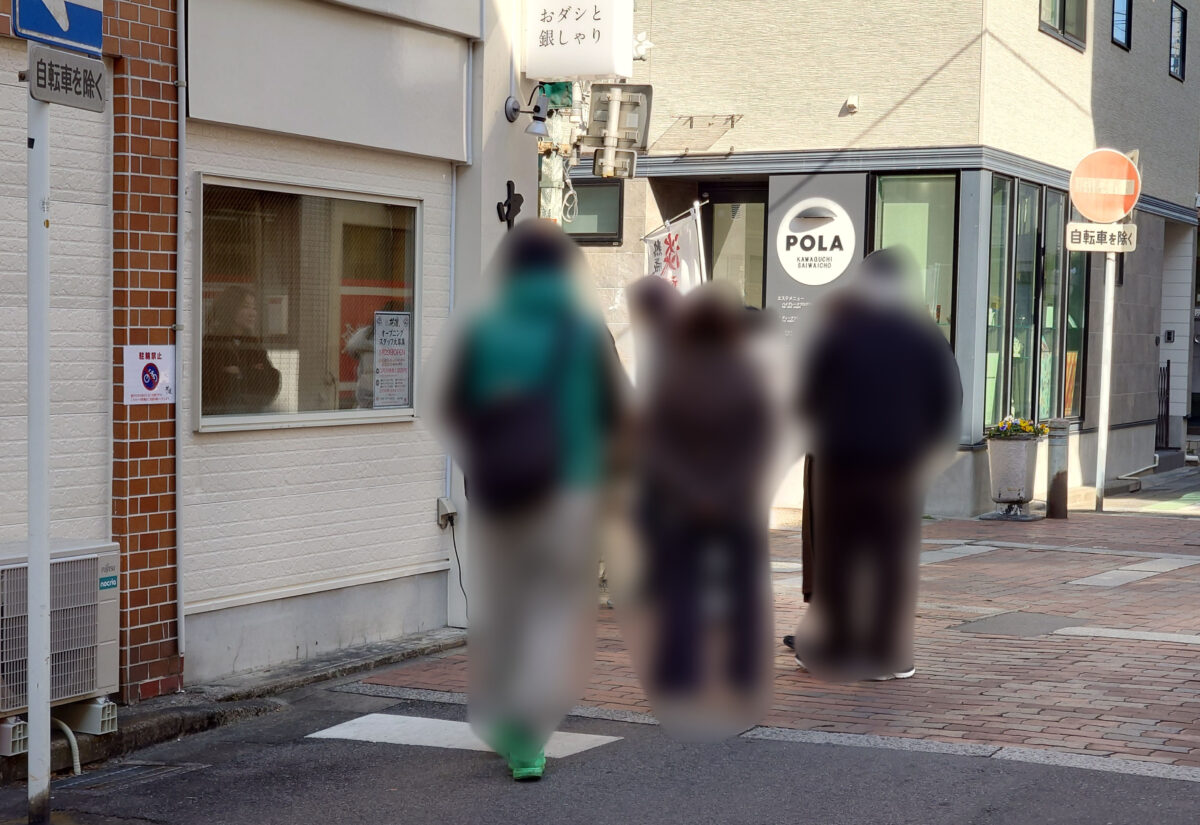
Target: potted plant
column 1012, row 463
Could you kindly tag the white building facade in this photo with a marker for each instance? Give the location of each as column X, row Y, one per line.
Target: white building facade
column 337, row 155
column 951, row 129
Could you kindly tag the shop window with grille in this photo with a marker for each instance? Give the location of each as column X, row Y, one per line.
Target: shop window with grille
column 307, row 305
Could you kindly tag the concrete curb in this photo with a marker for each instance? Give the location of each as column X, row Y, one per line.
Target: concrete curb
column 245, row 696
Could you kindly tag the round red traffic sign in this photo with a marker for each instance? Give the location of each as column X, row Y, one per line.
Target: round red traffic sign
column 1105, row 186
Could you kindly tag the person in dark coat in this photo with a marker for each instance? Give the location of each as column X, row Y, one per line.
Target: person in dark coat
column 704, row 449
column 238, row 377
column 881, row 396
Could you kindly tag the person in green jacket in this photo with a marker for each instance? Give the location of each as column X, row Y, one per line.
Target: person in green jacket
column 533, row 409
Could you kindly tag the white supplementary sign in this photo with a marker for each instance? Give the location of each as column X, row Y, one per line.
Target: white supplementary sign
column 1105, row 186
column 578, row 41
column 673, row 253
column 1101, row 237
column 71, row 24
column 816, row 241
column 393, row 345
column 149, row 374
column 66, row 78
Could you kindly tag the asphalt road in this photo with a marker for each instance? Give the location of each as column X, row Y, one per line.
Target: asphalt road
column 265, row 772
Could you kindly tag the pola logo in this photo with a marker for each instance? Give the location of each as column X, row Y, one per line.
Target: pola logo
column 816, row 241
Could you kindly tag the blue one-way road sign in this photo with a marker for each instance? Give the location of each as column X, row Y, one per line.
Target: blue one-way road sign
column 69, row 24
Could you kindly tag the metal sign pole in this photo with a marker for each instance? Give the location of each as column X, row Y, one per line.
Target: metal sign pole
column 45, row 70
column 38, row 571
column 1110, row 295
column 700, row 240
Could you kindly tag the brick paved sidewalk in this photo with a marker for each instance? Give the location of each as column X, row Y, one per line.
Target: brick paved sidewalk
column 1026, row 685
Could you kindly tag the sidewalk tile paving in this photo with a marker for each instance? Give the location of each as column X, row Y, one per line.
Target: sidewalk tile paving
column 1124, row 698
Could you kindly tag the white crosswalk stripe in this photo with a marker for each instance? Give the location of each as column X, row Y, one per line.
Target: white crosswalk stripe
column 443, row 733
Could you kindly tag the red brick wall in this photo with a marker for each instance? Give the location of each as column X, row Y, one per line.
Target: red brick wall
column 140, row 39
column 140, row 36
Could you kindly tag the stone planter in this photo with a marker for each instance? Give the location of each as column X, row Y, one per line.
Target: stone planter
column 1012, row 464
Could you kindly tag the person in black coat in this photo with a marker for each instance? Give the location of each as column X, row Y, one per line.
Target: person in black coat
column 238, row 377
column 881, row 396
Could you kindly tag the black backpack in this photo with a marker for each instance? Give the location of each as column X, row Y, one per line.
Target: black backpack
column 514, row 443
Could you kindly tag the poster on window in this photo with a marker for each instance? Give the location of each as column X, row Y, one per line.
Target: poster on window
column 149, row 374
column 674, row 252
column 393, row 348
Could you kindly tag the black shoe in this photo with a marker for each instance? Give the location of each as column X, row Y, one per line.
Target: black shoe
column 789, row 642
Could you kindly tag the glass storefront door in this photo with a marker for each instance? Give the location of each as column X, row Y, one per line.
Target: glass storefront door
column 735, row 222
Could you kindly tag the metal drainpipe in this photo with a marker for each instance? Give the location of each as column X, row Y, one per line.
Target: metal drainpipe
column 180, row 190
column 454, row 167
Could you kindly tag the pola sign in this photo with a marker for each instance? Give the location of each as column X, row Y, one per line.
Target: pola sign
column 816, row 241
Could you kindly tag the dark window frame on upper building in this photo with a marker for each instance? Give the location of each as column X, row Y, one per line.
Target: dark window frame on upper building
column 1177, row 63
column 1065, row 20
column 1123, row 17
column 614, row 234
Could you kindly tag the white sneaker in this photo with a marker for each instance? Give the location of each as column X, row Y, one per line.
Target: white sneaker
column 901, row 674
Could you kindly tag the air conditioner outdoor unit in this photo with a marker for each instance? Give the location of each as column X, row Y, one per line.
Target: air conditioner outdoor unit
column 84, row 620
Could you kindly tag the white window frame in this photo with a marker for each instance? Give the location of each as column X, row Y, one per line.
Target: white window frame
column 322, row 418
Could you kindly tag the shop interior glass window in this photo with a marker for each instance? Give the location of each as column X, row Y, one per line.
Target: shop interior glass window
column 1075, row 334
column 737, row 248
column 997, row 299
column 1037, row 307
column 1023, row 340
column 919, row 213
column 1049, row 348
column 291, row 285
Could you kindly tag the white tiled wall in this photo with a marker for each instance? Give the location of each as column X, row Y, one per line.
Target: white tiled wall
column 81, row 313
column 274, row 513
column 787, row 70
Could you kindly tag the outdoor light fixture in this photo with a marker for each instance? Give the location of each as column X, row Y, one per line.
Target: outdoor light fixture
column 541, row 108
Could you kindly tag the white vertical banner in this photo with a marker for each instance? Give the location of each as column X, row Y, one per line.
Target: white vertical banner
column 676, row 252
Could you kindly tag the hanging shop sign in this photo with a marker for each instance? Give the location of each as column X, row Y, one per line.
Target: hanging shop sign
column 578, row 41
